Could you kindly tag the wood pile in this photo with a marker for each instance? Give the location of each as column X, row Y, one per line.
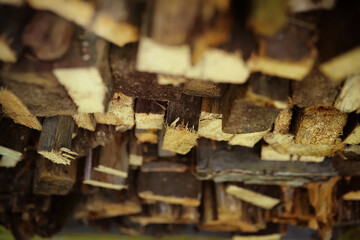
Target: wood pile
column 224, row 115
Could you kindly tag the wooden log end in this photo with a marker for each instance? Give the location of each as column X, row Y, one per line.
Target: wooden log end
column 179, row 140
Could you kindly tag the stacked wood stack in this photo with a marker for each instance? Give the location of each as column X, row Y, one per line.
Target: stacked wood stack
column 228, row 116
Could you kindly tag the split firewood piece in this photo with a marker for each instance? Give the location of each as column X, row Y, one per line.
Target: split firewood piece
column 267, row 18
column 233, row 211
column 164, row 213
column 202, row 88
column 120, row 113
column 55, row 139
column 314, row 90
column 160, row 186
column 10, row 41
column 348, row 100
column 149, row 114
column 114, row 157
column 36, row 86
column 135, row 152
column 296, row 6
column 182, row 123
column 137, row 84
column 48, row 36
column 85, row 73
column 210, row 126
column 53, row 179
column 339, row 58
column 86, row 140
column 352, row 130
column 289, row 53
column 254, row 107
column 13, row 141
column 15, row 108
column 85, row 121
column 99, row 179
column 269, row 154
column 147, row 135
column 265, row 197
column 319, row 125
column 322, row 196
column 221, row 162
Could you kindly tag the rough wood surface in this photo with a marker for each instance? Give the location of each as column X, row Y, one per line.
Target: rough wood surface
column 204, row 88
column 85, row 120
column 348, row 100
column 55, row 139
column 149, row 114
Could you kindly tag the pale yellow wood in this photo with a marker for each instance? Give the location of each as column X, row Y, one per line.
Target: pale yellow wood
column 179, row 140
column 349, row 97
column 85, row 120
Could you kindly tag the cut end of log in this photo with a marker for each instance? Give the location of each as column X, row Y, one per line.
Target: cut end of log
column 149, row 120
column 180, row 140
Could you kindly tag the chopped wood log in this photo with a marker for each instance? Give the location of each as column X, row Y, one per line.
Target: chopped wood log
column 55, row 140
column 289, row 53
column 13, row 142
column 256, row 198
column 99, row 179
column 319, row 125
column 161, row 186
column 339, row 58
column 254, row 107
column 182, row 122
column 220, row 162
column 85, row 120
column 134, row 83
column 48, row 36
column 53, row 179
column 149, row 114
column 120, row 113
column 85, row 73
column 202, row 88
column 114, row 157
column 267, row 18
column 164, row 213
column 269, row 154
column 296, row 6
column 37, row 87
column 147, row 136
column 86, row 140
column 348, row 100
column 135, row 152
column 14, row 108
column 10, row 41
column 314, row 90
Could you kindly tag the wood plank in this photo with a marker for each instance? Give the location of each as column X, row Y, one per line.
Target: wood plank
column 202, row 88
column 48, row 36
column 85, row 120
column 53, row 179
column 149, row 114
column 269, row 154
column 85, row 73
column 296, row 6
column 182, row 122
column 55, row 140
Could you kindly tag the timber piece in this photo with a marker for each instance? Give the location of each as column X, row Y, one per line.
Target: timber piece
column 182, row 123
column 149, row 114
column 267, row 18
column 167, row 164
column 164, row 213
column 269, row 154
column 53, row 179
column 289, row 53
column 147, row 135
column 114, row 157
column 85, row 73
column 202, row 88
column 99, row 179
column 85, row 121
column 221, row 162
column 265, row 197
column 161, row 151
column 352, row 130
column 36, row 86
column 13, row 142
column 55, row 139
column 120, row 113
column 135, row 152
column 254, row 107
column 86, row 140
column 136, row 84
column 13, row 2
column 10, row 41
column 15, row 108
column 47, row 35
column 339, row 58
column 314, row 90
column 322, row 196
column 296, row 6
column 318, row 125
column 348, row 100
column 160, row 186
